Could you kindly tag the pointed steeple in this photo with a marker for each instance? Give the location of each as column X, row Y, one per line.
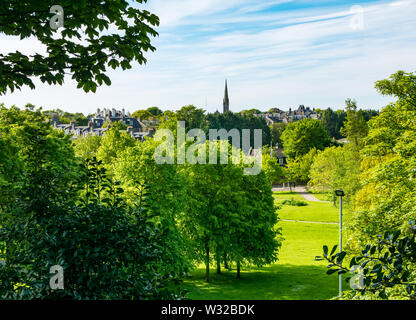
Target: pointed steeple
column 226, row 102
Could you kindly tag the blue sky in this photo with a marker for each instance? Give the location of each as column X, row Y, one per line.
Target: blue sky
column 274, row 53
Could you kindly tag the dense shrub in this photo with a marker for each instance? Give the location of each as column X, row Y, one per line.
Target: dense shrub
column 107, row 250
column 59, row 212
column 295, row 203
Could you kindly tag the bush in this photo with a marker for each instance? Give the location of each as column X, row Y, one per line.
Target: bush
column 295, row 203
column 385, row 267
column 60, row 212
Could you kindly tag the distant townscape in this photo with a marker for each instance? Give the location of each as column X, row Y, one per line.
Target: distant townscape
column 276, row 115
column 102, row 121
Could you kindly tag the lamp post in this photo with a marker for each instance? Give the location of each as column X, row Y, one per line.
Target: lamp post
column 340, row 193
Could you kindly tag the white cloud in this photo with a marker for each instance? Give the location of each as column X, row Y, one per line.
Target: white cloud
column 283, row 58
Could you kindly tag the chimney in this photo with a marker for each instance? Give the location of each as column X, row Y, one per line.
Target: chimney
column 91, row 125
column 55, row 120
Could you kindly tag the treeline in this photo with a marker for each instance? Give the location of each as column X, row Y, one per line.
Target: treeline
column 376, row 169
column 121, row 225
column 332, row 121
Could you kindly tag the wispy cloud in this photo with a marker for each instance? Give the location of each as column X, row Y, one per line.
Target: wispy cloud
column 274, row 53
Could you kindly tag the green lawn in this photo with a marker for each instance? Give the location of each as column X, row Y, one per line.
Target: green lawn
column 296, row 276
column 322, row 196
column 314, row 211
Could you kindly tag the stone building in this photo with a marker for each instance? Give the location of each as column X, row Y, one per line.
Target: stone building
column 276, row 115
column 135, row 127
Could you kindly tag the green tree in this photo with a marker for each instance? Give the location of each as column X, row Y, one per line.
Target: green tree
column 20, row 129
column 271, row 167
column 256, row 238
column 300, row 167
column 87, row 147
column 107, row 250
column 250, row 112
column 401, row 85
column 142, row 114
column 60, row 212
column 386, row 202
column 333, row 122
column 302, row 136
column 336, row 168
column 87, row 60
column 385, row 267
column 113, row 143
column 194, row 118
column 230, row 217
column 276, row 132
column 355, row 127
column 155, row 111
column 229, row 121
column 67, row 117
column 165, row 203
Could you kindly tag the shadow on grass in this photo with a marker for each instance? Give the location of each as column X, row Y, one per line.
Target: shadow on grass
column 276, row 282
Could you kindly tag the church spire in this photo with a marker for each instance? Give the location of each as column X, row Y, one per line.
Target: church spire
column 226, row 102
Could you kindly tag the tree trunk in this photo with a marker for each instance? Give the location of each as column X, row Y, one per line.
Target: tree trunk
column 218, row 263
column 207, row 262
column 238, row 270
column 225, row 261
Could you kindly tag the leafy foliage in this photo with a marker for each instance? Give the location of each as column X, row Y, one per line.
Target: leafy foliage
column 230, row 217
column 298, row 169
column 271, row 167
column 237, row 121
column 336, row 168
column 302, row 136
column 277, row 130
column 295, row 203
column 84, row 48
column 87, row 147
column 113, row 143
column 386, row 267
column 355, row 127
column 165, row 203
column 386, row 201
column 58, row 212
column 333, row 122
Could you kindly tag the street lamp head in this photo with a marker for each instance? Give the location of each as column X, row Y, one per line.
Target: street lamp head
column 340, row 193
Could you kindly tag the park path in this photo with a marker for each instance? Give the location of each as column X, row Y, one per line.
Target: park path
column 307, row 196
column 302, row 191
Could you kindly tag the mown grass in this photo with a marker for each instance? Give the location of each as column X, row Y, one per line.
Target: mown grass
column 314, row 211
column 296, row 276
column 322, row 196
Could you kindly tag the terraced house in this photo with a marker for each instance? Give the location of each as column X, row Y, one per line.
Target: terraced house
column 276, row 115
column 102, row 121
